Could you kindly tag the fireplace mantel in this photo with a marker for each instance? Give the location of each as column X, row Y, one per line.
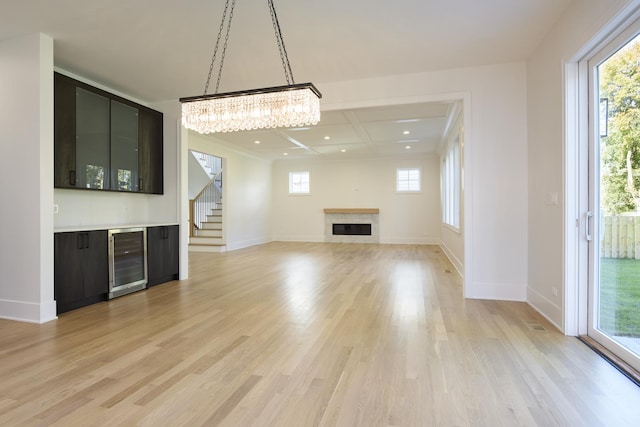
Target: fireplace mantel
column 351, row 210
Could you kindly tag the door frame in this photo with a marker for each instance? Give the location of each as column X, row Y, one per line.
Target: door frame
column 576, row 174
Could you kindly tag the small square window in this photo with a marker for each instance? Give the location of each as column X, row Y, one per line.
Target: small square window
column 298, row 182
column 408, row 180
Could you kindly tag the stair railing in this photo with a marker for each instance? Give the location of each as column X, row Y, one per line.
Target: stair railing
column 210, row 197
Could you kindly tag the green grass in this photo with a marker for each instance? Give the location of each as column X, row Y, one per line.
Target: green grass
column 620, row 297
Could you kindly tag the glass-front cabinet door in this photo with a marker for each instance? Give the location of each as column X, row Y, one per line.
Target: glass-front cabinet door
column 92, row 140
column 124, row 147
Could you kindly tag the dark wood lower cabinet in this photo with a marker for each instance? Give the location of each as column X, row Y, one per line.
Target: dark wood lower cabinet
column 163, row 254
column 81, row 264
column 81, row 269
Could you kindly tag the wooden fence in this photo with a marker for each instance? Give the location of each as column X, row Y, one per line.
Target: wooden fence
column 620, row 237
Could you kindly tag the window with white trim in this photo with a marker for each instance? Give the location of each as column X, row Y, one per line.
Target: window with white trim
column 408, row 180
column 298, row 182
column 450, row 179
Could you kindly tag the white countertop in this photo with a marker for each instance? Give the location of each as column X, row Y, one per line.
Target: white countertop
column 108, row 227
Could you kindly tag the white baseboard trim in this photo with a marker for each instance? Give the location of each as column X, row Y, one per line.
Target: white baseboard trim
column 383, row 241
column 301, row 239
column 27, row 311
column 410, row 241
column 232, row 246
column 457, row 264
column 547, row 309
column 498, row 291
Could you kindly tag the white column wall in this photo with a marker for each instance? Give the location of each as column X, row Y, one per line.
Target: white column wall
column 26, row 179
column 546, row 162
column 173, row 206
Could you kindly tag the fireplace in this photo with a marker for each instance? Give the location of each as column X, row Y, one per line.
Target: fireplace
column 351, row 225
column 351, row 229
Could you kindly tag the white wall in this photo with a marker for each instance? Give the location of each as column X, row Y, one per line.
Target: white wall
column 246, row 193
column 364, row 183
column 198, row 178
column 546, row 162
column 496, row 212
column 26, row 179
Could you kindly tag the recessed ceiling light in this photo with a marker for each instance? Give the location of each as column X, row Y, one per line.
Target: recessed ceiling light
column 343, row 151
column 406, row 132
column 286, row 154
column 408, row 147
column 256, row 142
column 326, row 138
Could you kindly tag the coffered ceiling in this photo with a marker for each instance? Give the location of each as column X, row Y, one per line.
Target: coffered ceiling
column 159, row 50
column 364, row 132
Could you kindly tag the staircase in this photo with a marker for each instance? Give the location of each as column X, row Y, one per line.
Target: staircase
column 205, row 210
column 208, row 236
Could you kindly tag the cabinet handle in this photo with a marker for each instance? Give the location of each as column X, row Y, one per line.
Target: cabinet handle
column 72, row 177
column 82, row 241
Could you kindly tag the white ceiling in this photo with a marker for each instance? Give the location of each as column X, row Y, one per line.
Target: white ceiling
column 158, row 50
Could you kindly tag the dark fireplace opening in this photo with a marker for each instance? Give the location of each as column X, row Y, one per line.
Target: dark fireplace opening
column 352, row 229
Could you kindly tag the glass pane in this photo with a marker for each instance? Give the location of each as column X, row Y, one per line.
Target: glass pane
column 124, row 147
column 128, row 258
column 408, row 180
column 299, row 182
column 92, row 139
column 618, row 289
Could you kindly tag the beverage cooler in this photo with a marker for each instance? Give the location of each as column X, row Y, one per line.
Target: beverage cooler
column 127, row 261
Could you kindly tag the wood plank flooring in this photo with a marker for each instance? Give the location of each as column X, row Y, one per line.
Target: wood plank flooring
column 307, row 334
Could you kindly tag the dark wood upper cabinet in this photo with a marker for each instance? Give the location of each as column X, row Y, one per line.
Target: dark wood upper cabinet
column 105, row 142
column 64, row 132
column 150, row 152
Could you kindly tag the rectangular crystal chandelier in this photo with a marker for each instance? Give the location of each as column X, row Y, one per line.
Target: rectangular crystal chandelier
column 281, row 106
column 272, row 107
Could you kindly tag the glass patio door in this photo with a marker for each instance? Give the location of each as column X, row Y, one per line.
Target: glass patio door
column 613, row 220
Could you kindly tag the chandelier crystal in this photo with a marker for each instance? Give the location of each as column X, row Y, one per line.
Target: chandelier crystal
column 280, row 106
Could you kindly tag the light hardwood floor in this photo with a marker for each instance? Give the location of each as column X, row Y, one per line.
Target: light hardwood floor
column 307, row 334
